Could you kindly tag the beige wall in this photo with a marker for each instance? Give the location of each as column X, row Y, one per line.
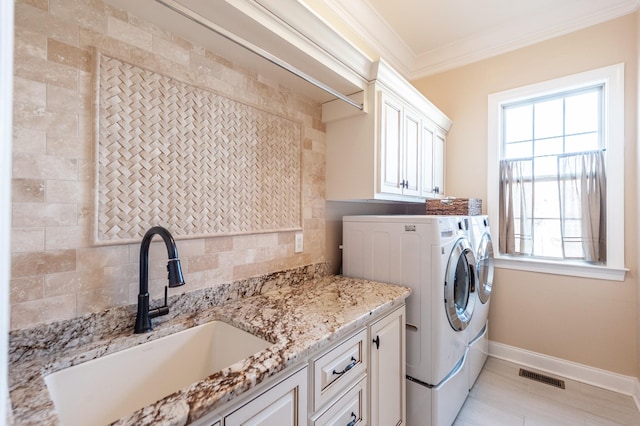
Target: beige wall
column 638, row 180
column 56, row 274
column 586, row 321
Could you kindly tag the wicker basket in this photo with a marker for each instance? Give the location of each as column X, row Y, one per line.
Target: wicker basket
column 455, row 207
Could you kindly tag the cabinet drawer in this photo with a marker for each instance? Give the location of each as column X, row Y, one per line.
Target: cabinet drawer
column 284, row 404
column 350, row 409
column 337, row 369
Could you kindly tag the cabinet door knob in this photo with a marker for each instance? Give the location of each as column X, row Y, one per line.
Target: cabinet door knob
column 377, row 342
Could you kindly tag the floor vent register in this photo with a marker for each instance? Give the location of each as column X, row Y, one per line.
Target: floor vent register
column 542, row 378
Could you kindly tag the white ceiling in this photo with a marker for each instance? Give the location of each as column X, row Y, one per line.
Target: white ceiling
column 422, row 37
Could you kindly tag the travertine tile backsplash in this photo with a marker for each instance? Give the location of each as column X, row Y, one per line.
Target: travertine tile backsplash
column 56, row 273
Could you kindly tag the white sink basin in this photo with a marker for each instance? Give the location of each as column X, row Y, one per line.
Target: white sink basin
column 101, row 391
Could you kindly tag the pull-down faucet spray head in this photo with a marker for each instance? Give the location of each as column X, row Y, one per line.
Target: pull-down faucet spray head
column 175, row 273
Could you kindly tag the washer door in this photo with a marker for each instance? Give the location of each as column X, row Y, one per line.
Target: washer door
column 460, row 281
column 485, row 268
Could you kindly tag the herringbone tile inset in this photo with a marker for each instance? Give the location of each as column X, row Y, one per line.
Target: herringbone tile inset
column 173, row 154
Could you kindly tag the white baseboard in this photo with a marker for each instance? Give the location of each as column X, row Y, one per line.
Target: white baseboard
column 626, row 385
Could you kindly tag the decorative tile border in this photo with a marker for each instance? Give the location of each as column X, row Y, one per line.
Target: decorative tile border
column 172, row 154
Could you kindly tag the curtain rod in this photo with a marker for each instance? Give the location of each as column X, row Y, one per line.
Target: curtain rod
column 206, row 23
column 563, row 154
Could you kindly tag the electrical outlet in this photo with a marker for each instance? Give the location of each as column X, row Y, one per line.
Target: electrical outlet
column 299, row 243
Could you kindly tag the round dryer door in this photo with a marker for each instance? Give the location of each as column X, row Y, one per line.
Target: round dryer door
column 485, row 268
column 460, row 281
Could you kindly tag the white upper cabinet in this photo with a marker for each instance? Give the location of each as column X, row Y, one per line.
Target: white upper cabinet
column 439, row 162
column 411, row 164
column 392, row 150
column 433, row 160
column 400, row 146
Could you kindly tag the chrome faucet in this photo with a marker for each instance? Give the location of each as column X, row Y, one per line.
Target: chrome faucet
column 143, row 318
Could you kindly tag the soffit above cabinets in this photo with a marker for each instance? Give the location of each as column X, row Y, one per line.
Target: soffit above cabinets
column 287, row 30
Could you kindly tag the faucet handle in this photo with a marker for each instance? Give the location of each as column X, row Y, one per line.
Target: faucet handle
column 162, row 310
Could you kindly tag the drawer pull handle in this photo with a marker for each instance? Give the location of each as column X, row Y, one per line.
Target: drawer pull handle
column 377, row 342
column 354, row 419
column 347, row 368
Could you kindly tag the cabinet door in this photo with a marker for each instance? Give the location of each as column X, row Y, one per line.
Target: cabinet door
column 438, row 161
column 387, row 377
column 390, row 144
column 433, row 160
column 428, row 137
column 411, row 148
column 284, row 404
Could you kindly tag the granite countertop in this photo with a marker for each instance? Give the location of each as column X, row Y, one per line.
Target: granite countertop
column 299, row 319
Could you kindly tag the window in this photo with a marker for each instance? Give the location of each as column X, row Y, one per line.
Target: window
column 542, row 140
column 555, row 188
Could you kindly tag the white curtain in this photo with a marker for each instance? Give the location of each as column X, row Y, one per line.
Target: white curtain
column 582, row 196
column 516, row 206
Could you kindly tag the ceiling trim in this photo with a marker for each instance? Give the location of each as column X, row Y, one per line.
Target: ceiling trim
column 374, row 30
column 361, row 17
column 487, row 45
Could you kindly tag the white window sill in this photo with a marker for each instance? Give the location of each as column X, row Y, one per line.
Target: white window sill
column 561, row 268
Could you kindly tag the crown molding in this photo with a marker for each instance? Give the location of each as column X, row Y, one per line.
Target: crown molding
column 374, row 30
column 509, row 38
column 363, row 19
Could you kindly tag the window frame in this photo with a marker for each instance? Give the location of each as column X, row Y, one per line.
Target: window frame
column 612, row 79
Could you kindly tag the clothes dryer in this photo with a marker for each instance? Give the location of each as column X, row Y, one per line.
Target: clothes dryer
column 433, row 256
column 479, row 326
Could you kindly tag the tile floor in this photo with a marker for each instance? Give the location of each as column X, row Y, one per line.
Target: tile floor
column 501, row 397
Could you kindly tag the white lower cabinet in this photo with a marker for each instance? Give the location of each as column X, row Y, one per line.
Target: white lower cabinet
column 387, row 370
column 357, row 381
column 371, row 393
column 340, row 383
column 338, row 368
column 284, row 404
column 348, row 410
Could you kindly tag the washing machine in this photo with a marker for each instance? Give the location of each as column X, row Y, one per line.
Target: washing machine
column 478, row 329
column 433, row 256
